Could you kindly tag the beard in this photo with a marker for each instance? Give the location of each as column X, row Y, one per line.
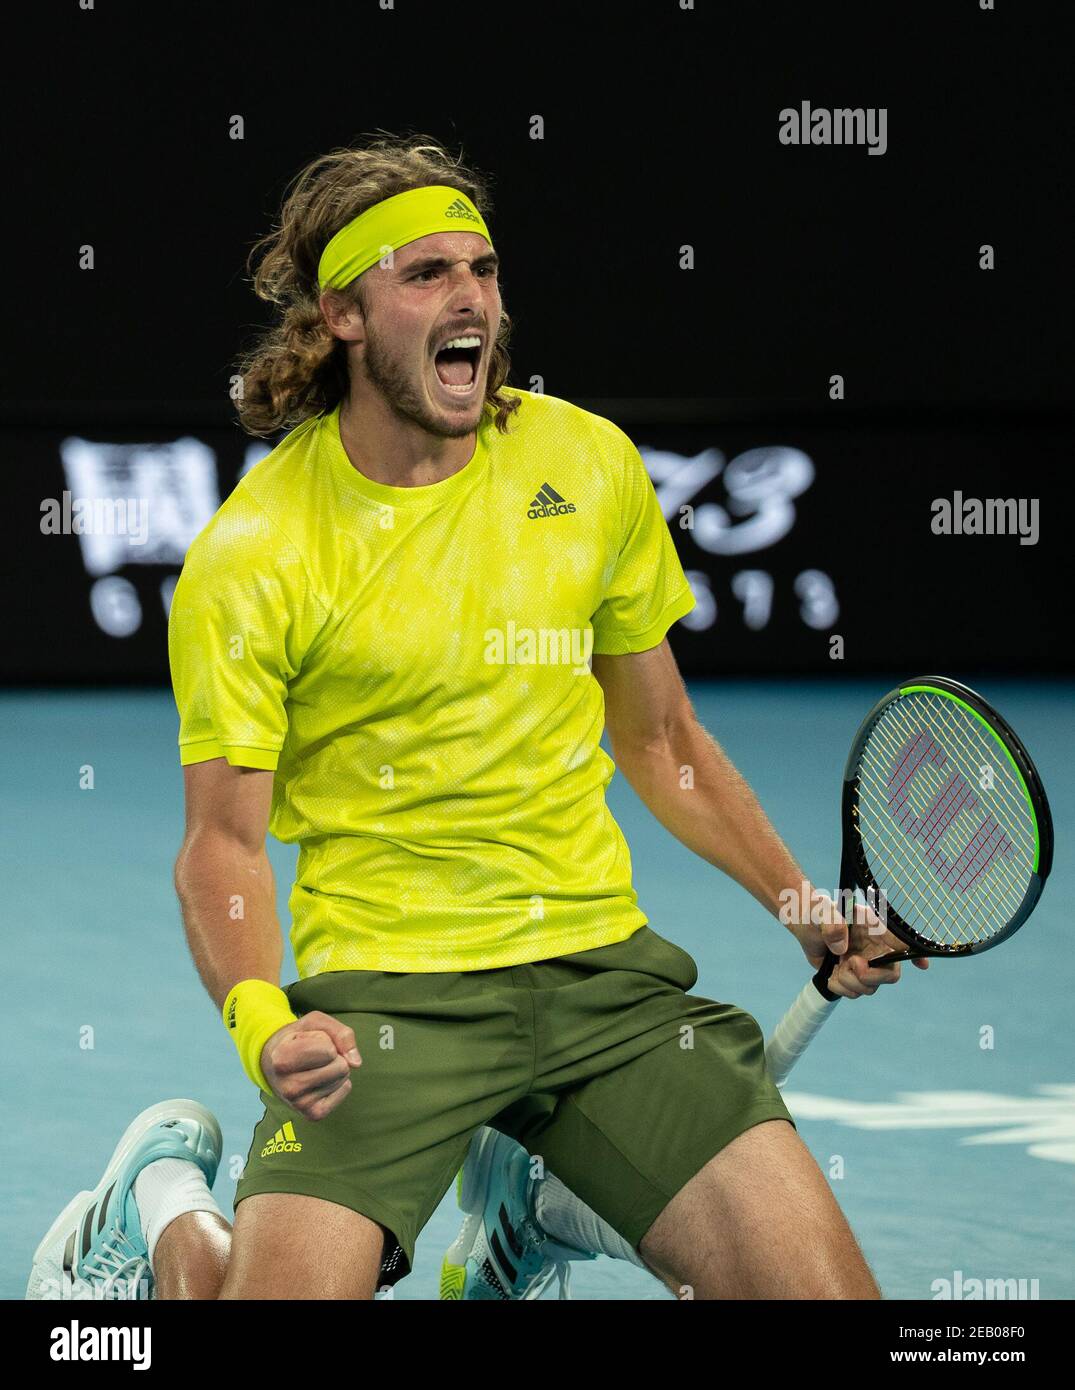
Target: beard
column 405, row 396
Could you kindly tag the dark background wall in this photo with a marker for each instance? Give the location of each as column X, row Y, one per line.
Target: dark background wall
column 660, row 131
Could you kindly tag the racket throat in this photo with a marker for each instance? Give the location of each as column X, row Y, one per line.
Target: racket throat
column 910, row 953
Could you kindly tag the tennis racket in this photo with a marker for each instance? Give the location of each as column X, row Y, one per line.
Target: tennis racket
column 946, row 832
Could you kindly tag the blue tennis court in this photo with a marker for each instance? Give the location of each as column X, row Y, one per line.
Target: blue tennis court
column 942, row 1110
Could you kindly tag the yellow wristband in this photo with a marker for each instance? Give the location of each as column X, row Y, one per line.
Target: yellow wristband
column 253, row 1011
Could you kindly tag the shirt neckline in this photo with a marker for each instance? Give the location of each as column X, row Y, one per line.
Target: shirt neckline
column 427, row 495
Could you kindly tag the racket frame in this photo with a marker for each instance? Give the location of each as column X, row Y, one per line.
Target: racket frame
column 855, row 872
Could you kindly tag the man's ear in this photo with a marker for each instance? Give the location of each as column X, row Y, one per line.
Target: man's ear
column 343, row 315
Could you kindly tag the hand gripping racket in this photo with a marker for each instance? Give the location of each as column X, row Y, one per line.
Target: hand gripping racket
column 946, row 831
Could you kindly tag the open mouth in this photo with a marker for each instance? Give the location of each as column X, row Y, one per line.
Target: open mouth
column 457, row 364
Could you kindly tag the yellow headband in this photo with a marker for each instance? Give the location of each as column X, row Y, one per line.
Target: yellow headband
column 393, row 223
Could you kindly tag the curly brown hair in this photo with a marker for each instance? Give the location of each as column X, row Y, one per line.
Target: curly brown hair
column 296, row 368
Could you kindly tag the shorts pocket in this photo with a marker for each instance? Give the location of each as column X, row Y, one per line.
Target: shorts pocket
column 335, row 992
column 672, row 960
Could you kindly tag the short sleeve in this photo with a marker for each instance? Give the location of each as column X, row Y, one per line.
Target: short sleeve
column 647, row 591
column 242, row 618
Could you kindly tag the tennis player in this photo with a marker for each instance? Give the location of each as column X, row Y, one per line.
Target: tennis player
column 397, row 645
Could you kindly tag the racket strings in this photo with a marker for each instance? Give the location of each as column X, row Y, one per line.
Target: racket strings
column 1007, row 799
column 1010, row 813
column 1002, row 848
column 920, row 867
column 918, row 887
column 909, row 886
column 996, row 800
column 916, row 874
column 890, row 851
column 1005, row 873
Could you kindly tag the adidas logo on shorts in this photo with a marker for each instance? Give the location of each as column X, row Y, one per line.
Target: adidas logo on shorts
column 282, row 1142
column 548, row 502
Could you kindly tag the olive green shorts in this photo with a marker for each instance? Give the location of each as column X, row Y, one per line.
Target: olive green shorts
column 600, row 1062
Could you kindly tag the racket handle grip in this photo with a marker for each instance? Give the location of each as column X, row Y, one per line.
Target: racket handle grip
column 821, row 979
column 795, row 1031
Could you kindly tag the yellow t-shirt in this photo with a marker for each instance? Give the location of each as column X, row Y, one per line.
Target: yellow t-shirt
column 413, row 664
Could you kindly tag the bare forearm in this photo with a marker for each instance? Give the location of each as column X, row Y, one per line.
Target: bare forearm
column 228, row 898
column 690, row 785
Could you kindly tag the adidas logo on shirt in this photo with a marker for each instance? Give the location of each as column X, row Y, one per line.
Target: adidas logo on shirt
column 548, row 502
column 282, row 1142
column 459, row 209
